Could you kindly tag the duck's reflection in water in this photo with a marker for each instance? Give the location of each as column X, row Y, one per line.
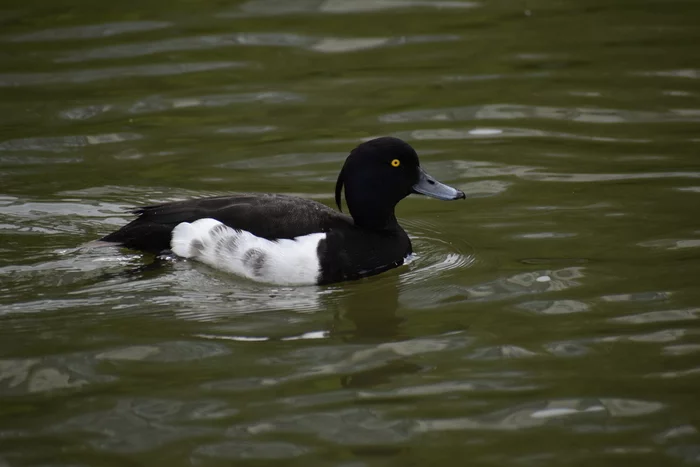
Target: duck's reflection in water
column 351, row 331
column 366, row 310
column 368, row 313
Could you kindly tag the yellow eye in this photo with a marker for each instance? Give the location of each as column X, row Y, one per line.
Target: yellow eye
column 395, row 163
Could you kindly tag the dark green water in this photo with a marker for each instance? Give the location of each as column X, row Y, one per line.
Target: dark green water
column 550, row 319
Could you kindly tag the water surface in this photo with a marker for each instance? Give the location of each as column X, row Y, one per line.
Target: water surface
column 550, row 319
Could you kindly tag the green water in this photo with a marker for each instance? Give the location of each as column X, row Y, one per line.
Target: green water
column 550, row 319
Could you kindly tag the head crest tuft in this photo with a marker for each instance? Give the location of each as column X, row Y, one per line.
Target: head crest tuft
column 339, row 190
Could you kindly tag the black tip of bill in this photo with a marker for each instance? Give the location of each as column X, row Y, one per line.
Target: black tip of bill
column 428, row 186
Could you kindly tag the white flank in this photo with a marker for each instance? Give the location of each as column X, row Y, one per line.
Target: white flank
column 284, row 261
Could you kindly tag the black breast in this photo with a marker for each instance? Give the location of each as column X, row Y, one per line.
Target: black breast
column 352, row 253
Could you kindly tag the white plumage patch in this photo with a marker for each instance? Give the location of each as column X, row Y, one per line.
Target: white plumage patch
column 284, row 261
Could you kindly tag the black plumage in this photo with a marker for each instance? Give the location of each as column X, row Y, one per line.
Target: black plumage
column 269, row 216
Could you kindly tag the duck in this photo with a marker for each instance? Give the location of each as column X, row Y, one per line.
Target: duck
column 289, row 240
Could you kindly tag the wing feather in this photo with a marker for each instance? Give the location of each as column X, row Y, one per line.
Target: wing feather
column 268, row 216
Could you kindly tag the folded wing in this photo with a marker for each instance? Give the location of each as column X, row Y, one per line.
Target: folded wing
column 267, row 216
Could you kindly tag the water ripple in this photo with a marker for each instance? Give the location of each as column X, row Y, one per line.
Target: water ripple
column 484, row 188
column 316, row 44
column 139, row 424
column 671, row 244
column 53, row 373
column 286, row 7
column 536, row 415
column 86, row 76
column 681, row 73
column 529, row 112
column 660, row 316
column 94, row 31
column 287, row 160
column 637, row 297
column 165, row 352
column 237, row 450
column 603, row 177
column 554, row 307
column 681, row 349
column 353, row 426
column 63, row 143
column 498, row 289
column 438, row 134
column 157, row 103
column 434, row 256
column 663, row 336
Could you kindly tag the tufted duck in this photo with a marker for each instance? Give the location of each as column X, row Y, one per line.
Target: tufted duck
column 293, row 241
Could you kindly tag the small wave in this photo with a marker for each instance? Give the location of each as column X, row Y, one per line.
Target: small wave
column 529, row 112
column 314, row 44
column 62, row 143
column 159, row 103
column 438, row 134
column 275, row 8
column 92, row 31
column 433, row 256
column 86, row 76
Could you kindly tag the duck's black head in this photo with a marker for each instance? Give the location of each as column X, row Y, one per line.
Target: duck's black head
column 378, row 174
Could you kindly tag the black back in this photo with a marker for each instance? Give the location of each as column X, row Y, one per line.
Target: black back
column 269, row 216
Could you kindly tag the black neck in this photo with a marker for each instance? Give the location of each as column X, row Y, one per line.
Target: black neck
column 371, row 213
column 374, row 220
